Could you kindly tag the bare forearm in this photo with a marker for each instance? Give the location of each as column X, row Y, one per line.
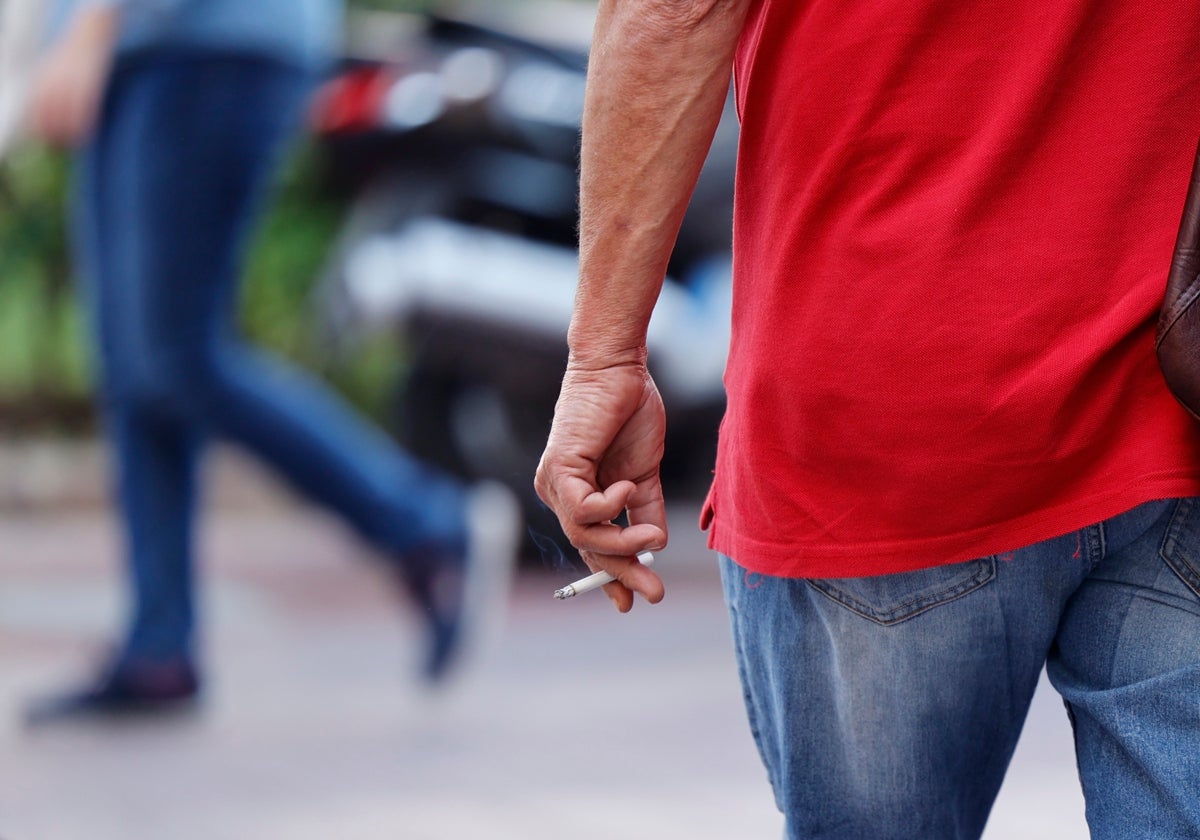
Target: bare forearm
column 657, row 81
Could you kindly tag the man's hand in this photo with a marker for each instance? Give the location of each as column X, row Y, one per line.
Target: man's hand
column 603, row 459
column 67, row 92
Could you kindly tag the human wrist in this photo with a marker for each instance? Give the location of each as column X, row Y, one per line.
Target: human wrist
column 608, row 327
column 594, row 353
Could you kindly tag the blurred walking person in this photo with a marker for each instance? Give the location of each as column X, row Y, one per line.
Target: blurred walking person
column 181, row 109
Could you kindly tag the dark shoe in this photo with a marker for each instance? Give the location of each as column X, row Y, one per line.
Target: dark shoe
column 463, row 597
column 130, row 689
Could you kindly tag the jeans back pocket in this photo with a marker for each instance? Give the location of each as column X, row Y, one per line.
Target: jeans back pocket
column 891, row 599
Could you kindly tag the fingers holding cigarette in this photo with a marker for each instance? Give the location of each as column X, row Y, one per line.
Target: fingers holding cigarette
column 614, row 550
column 621, row 583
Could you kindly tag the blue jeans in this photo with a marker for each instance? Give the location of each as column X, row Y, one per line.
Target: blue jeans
column 889, row 707
column 169, row 189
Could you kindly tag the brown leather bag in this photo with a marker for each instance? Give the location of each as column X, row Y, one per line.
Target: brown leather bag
column 1178, row 338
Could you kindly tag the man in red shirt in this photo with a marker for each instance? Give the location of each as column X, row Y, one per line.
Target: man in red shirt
column 948, row 457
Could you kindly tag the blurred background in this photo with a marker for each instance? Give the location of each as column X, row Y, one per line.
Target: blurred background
column 418, row 253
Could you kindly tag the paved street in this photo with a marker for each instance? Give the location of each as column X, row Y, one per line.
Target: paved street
column 581, row 723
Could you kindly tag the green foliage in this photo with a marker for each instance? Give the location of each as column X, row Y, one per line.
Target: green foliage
column 289, row 248
column 43, row 361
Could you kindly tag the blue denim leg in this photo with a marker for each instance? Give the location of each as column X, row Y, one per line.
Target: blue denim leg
column 169, row 190
column 1127, row 662
column 889, row 707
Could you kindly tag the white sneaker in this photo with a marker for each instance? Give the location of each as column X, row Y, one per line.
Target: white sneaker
column 476, row 618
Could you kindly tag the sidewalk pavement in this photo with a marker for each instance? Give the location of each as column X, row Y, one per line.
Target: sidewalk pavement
column 580, row 724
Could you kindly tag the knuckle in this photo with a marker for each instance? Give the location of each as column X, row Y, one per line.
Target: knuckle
column 541, row 486
column 573, row 533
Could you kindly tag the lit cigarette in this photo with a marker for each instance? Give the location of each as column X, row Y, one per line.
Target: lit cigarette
column 596, row 580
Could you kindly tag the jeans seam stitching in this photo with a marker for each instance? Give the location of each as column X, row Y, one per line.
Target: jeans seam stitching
column 1098, row 544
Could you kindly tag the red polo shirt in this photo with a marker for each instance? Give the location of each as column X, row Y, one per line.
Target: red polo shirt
column 952, row 231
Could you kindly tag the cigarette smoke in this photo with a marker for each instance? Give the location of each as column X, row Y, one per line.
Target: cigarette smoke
column 553, row 557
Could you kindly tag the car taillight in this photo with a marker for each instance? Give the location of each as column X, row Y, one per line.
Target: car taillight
column 352, row 101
